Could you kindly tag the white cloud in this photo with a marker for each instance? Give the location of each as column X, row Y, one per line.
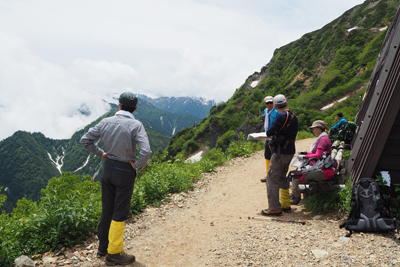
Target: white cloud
column 59, row 55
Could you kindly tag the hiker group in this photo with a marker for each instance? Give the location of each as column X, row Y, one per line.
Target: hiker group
column 281, row 127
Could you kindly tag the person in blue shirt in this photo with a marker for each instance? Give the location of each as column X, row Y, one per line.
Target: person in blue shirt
column 340, row 122
column 284, row 132
column 270, row 116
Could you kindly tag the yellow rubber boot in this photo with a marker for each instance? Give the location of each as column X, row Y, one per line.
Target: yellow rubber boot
column 115, row 235
column 267, row 161
column 285, row 199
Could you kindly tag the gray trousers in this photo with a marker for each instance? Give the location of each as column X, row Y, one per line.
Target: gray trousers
column 276, row 179
column 295, row 187
column 316, row 175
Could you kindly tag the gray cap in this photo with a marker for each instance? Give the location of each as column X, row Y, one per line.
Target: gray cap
column 280, row 100
column 319, row 124
column 128, row 99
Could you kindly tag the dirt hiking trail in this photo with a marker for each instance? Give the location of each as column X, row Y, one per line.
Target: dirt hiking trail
column 210, row 227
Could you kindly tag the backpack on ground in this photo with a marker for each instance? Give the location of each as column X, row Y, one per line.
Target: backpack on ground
column 370, row 208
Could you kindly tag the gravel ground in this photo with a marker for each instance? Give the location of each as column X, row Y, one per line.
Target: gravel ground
column 318, row 243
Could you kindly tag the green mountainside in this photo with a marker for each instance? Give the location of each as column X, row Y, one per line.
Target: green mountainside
column 29, row 160
column 171, row 122
column 26, row 166
column 332, row 65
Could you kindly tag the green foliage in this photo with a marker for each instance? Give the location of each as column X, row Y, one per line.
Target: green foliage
column 334, row 200
column 320, row 202
column 191, row 146
column 345, row 196
column 25, row 155
column 395, row 200
column 224, row 141
column 216, row 155
column 67, row 213
column 346, row 154
column 159, row 156
column 3, row 198
column 240, row 148
column 304, row 134
column 25, row 208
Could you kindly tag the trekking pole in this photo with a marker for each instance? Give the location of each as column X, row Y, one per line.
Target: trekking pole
column 278, row 220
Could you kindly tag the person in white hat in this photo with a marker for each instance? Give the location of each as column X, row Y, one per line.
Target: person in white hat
column 270, row 113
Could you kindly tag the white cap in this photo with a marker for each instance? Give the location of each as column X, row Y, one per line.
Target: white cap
column 268, row 99
column 279, row 99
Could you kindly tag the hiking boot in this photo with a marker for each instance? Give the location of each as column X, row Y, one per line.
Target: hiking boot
column 287, row 210
column 119, row 259
column 294, row 200
column 313, row 188
column 101, row 253
column 271, row 212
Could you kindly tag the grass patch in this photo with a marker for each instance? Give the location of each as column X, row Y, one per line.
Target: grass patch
column 336, row 200
column 304, row 135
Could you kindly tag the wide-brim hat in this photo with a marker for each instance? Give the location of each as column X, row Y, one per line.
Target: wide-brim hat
column 319, row 124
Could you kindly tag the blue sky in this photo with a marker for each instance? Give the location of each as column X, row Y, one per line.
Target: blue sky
column 59, row 56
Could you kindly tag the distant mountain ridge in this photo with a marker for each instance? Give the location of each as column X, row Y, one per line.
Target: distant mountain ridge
column 29, row 160
column 196, row 106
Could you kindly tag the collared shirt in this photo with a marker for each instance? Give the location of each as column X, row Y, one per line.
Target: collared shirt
column 120, row 135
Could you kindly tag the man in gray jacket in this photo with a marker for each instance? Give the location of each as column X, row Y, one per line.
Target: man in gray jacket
column 120, row 135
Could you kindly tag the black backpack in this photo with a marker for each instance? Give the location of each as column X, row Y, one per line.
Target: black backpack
column 370, row 208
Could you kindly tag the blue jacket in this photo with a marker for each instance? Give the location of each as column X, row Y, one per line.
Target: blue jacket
column 339, row 124
column 271, row 116
column 289, row 132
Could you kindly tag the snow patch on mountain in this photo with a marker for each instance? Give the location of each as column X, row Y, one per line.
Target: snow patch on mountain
column 58, row 162
column 195, row 158
column 84, row 164
column 254, row 84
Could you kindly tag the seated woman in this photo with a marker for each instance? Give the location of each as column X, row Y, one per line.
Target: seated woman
column 320, row 145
